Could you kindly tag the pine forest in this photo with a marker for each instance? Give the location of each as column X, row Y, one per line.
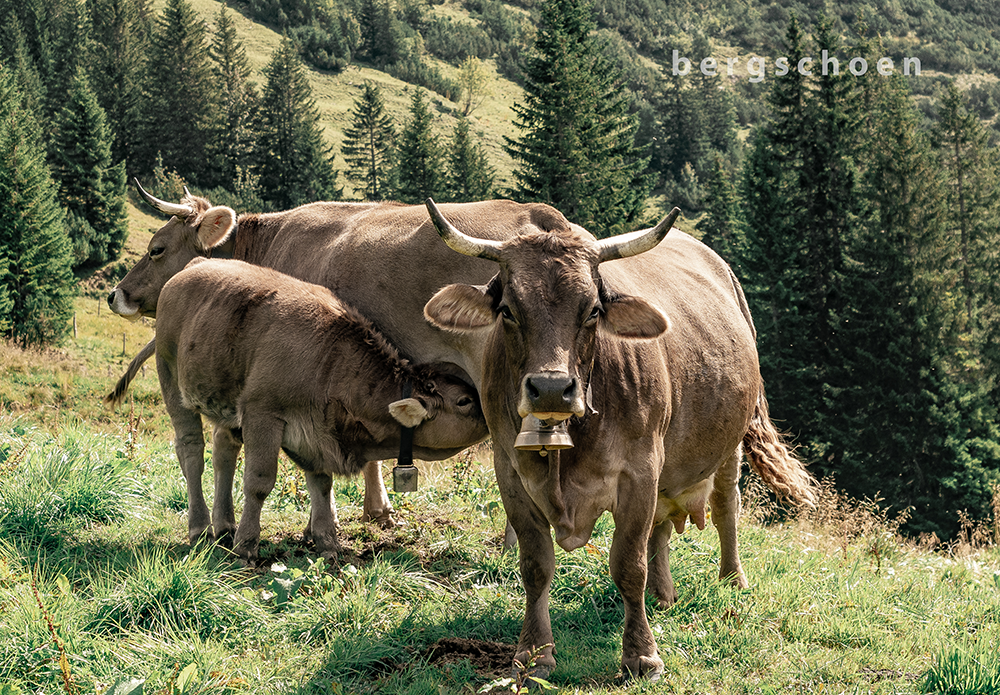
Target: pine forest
column 843, row 158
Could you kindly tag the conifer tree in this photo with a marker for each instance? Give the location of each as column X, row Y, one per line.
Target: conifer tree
column 91, row 188
column 179, row 111
column 117, row 71
column 236, row 134
column 721, row 226
column 470, row 176
column 369, row 144
column 577, row 146
column 973, row 216
column 295, row 165
column 36, row 281
column 420, row 162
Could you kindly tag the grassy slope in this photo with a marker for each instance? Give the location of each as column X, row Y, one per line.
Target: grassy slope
column 335, row 93
column 97, row 545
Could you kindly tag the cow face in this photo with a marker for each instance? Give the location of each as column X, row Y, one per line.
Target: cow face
column 548, row 302
column 194, row 230
column 444, row 410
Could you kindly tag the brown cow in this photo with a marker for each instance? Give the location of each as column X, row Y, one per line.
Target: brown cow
column 283, row 364
column 384, row 259
column 646, row 351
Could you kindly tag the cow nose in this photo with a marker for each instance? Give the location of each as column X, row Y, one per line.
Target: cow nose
column 553, row 392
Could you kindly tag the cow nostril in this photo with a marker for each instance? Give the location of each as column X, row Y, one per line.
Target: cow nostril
column 533, row 392
column 570, row 392
column 111, row 298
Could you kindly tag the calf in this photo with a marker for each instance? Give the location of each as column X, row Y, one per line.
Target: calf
column 283, row 364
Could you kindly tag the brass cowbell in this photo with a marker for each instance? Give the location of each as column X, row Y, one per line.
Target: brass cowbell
column 538, row 436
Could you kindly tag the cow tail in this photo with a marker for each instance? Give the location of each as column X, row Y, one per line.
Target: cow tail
column 118, row 395
column 773, row 460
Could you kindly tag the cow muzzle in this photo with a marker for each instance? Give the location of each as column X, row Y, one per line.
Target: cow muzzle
column 551, row 396
column 119, row 304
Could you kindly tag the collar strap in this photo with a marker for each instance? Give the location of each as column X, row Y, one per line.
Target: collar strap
column 406, row 433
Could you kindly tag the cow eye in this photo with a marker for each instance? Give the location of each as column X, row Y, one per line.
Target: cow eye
column 464, row 402
column 507, row 314
column 594, row 314
column 156, row 251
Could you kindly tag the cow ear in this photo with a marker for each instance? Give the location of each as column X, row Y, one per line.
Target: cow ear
column 460, row 308
column 216, row 225
column 634, row 318
column 408, row 412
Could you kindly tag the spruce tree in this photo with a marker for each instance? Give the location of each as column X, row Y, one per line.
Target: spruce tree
column 470, row 176
column 369, row 144
column 180, row 100
column 91, row 188
column 420, row 162
column 721, row 226
column 118, row 71
column 36, row 281
column 236, row 133
column 773, row 276
column 577, row 146
column 972, row 167
column 295, row 165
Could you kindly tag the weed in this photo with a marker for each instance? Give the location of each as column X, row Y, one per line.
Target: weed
column 67, row 678
column 964, row 671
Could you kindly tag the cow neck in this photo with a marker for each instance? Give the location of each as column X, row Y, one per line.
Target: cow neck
column 252, row 237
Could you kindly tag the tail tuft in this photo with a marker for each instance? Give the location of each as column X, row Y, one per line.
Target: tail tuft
column 774, row 461
column 115, row 398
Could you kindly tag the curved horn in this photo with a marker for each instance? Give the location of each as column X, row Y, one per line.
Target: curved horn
column 633, row 243
column 162, row 205
column 463, row 243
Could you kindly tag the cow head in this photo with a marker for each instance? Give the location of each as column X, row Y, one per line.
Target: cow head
column 194, row 230
column 546, row 306
column 444, row 409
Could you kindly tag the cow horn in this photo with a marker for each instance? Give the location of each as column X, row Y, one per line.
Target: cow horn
column 162, row 205
column 634, row 243
column 463, row 243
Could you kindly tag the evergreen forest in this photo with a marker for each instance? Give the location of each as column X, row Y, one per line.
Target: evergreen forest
column 842, row 157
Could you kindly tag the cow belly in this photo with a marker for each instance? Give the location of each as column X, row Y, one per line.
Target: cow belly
column 316, row 450
column 688, row 504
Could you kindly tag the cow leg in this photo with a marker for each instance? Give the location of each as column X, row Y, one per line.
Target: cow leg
column 225, row 452
column 538, row 564
column 323, row 525
column 377, row 506
column 262, row 438
column 189, row 443
column 725, row 503
column 659, row 582
column 633, row 526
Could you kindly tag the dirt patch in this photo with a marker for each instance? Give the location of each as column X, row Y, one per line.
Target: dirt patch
column 490, row 659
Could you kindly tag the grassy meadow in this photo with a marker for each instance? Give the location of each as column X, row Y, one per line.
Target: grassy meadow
column 100, row 592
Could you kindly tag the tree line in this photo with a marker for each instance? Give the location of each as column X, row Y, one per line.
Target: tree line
column 867, row 241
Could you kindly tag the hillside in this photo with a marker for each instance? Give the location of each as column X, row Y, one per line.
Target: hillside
column 335, row 92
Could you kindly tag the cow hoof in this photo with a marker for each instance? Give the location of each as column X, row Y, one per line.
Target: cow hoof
column 225, row 540
column 649, row 668
column 383, row 517
column 526, row 678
